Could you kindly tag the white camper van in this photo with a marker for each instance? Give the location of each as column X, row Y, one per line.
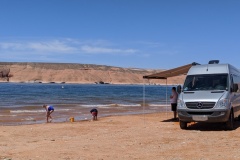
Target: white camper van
column 210, row 94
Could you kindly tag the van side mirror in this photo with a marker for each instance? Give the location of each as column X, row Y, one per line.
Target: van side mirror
column 179, row 89
column 235, row 87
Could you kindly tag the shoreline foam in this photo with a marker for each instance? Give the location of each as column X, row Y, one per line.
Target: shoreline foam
column 22, row 117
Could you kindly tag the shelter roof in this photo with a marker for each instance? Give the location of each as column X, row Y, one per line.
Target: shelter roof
column 171, row 72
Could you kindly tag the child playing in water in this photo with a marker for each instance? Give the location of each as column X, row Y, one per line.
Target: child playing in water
column 49, row 110
column 94, row 113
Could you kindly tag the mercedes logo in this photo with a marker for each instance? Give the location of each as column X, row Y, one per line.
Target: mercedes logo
column 199, row 105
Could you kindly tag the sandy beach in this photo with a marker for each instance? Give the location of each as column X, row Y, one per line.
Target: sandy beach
column 148, row 136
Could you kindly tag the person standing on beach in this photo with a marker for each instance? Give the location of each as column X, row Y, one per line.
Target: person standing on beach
column 94, row 113
column 49, row 111
column 173, row 99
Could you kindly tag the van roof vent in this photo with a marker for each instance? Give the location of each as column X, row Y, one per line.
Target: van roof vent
column 195, row 63
column 213, row 62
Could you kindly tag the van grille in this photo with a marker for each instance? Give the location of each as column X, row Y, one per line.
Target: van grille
column 200, row 113
column 200, row 105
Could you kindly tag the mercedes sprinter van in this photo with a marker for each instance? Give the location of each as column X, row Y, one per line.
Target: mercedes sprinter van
column 210, row 94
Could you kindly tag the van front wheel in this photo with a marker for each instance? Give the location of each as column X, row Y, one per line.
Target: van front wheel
column 183, row 125
column 230, row 122
column 238, row 117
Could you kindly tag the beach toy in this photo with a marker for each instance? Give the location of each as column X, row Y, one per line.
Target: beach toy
column 71, row 119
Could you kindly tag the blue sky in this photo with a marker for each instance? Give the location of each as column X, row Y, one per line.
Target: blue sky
column 157, row 34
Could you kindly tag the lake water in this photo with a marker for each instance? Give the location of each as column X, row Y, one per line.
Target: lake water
column 21, row 103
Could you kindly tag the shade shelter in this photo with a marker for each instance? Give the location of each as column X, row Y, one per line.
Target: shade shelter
column 171, row 72
column 182, row 70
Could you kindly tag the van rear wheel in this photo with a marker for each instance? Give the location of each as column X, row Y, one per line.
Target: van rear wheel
column 230, row 122
column 183, row 125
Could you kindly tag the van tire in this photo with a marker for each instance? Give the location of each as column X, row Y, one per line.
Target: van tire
column 230, row 122
column 183, row 125
column 238, row 117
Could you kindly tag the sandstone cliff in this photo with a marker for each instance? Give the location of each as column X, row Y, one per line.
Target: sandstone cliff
column 77, row 73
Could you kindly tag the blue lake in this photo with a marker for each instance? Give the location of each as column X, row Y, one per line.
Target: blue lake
column 23, row 101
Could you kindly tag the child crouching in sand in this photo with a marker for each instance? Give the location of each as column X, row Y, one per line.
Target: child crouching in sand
column 49, row 110
column 94, row 113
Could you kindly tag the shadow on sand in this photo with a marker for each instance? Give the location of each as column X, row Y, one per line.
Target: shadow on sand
column 171, row 120
column 201, row 126
column 212, row 126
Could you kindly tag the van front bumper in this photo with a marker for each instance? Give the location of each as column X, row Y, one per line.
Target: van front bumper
column 216, row 115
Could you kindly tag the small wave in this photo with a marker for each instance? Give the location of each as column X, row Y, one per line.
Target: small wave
column 158, row 105
column 29, row 119
column 110, row 105
column 26, row 111
column 129, row 105
column 97, row 105
column 34, row 111
column 63, row 109
column 8, row 115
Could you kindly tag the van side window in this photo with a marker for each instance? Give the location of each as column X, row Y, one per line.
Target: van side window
column 236, row 80
column 231, row 85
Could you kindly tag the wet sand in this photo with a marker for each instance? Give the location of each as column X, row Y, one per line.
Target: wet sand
column 148, row 136
column 62, row 113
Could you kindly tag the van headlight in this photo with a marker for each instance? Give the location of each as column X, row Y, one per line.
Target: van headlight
column 223, row 103
column 181, row 104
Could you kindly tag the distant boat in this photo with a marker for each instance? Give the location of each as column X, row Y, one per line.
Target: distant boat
column 100, row 82
column 62, row 86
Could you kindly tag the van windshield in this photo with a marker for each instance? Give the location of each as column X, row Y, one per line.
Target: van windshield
column 206, row 82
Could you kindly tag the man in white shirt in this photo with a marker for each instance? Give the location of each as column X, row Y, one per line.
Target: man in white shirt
column 173, row 99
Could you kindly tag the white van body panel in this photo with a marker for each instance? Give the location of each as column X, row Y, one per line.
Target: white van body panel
column 209, row 69
column 202, row 96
